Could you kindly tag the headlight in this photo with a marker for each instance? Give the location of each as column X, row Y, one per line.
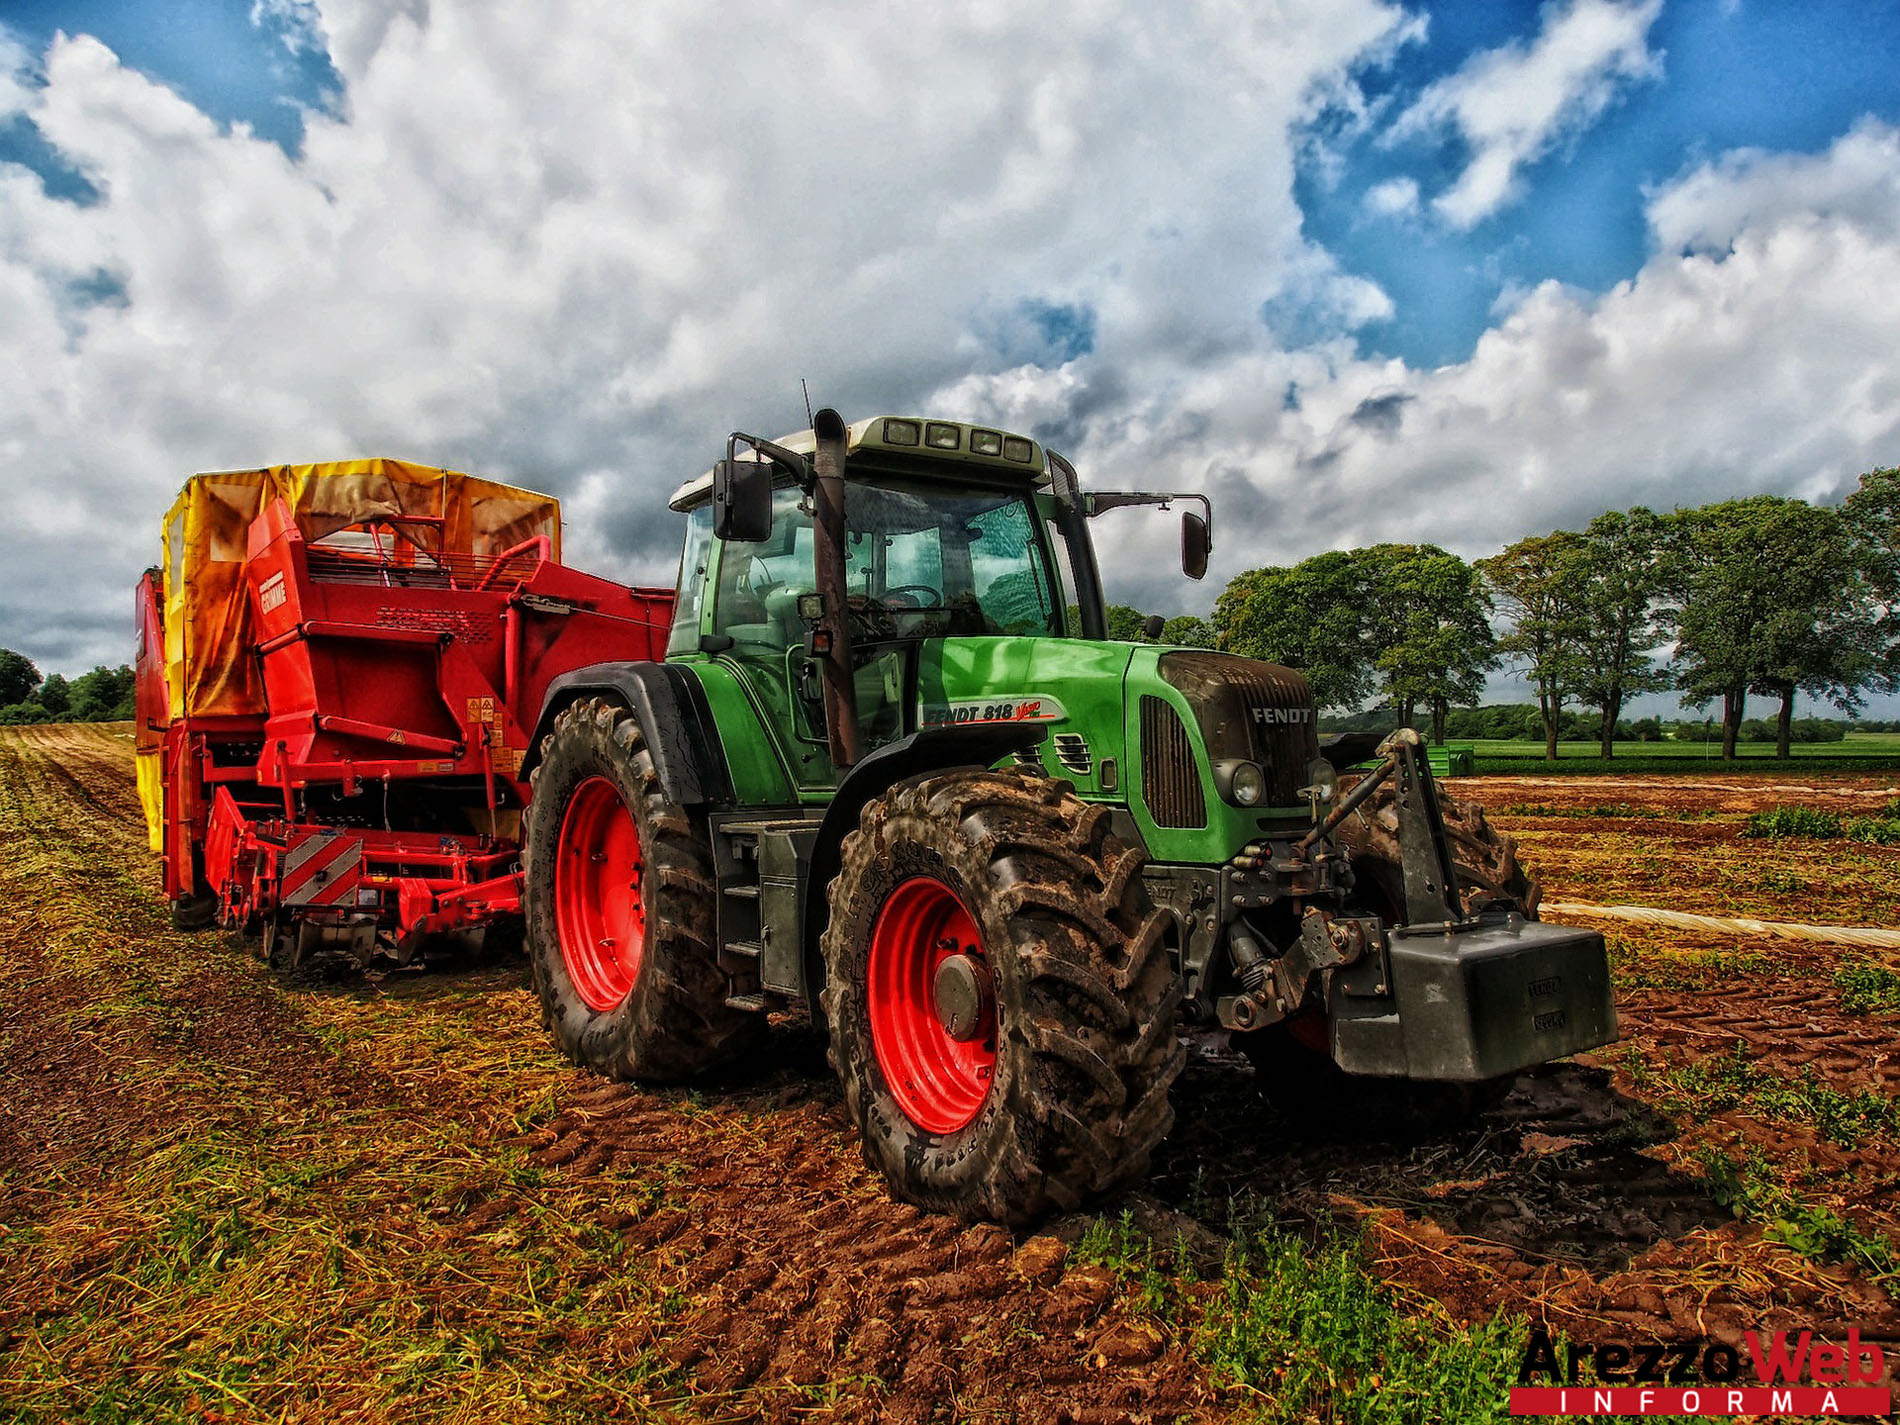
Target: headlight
column 1323, row 778
column 1248, row 784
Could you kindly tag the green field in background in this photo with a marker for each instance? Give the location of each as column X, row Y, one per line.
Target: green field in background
column 1858, row 751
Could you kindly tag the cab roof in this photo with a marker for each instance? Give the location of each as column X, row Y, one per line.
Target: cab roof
column 972, row 447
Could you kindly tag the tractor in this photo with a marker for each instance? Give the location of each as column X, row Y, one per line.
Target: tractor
column 891, row 772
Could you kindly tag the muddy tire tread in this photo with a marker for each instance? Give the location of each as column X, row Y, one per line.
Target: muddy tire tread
column 1084, row 1099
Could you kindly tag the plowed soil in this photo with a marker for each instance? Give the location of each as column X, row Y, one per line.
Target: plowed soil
column 223, row 1197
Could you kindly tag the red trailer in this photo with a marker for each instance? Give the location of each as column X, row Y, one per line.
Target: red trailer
column 339, row 667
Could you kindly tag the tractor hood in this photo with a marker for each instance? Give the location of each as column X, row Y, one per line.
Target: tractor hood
column 1160, row 730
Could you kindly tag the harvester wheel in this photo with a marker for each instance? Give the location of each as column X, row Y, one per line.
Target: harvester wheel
column 1001, row 1002
column 197, row 909
column 619, row 907
column 1293, row 1060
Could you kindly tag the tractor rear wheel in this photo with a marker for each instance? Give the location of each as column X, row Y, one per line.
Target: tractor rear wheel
column 618, row 900
column 1001, row 1002
column 1293, row 1060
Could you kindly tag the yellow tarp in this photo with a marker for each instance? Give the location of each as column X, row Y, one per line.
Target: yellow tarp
column 208, row 662
column 151, row 770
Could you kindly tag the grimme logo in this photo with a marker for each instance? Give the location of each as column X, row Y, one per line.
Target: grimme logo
column 1282, row 714
column 1778, row 1373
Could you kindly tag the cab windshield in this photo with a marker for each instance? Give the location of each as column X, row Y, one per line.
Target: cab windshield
column 920, row 562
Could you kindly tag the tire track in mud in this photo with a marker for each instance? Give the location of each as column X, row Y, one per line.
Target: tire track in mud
column 799, row 1267
column 1795, row 1029
column 792, row 1264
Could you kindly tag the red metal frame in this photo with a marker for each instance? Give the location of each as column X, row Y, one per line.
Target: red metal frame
column 401, row 687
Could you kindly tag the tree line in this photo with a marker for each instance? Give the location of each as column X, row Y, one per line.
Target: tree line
column 103, row 695
column 1759, row 597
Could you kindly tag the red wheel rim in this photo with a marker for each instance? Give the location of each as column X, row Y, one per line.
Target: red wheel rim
column 939, row 1082
column 598, row 915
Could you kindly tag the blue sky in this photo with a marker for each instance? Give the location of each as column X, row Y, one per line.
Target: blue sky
column 1362, row 270
column 1779, row 76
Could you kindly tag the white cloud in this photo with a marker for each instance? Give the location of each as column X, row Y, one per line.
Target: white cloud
column 1511, row 105
column 1858, row 179
column 549, row 242
column 1767, row 366
column 1396, row 197
column 296, row 24
column 575, row 249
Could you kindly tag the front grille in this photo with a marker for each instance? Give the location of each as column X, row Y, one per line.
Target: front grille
column 1170, row 780
column 1256, row 711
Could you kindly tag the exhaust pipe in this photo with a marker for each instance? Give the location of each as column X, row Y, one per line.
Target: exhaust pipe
column 841, row 702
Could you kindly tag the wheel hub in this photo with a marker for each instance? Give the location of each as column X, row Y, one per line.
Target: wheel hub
column 963, row 993
column 932, row 1006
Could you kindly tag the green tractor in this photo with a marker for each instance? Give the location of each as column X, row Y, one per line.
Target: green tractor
column 891, row 770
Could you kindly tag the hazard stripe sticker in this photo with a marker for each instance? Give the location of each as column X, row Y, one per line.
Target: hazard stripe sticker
column 317, row 866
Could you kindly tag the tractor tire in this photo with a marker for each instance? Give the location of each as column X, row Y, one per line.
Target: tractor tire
column 1488, row 868
column 1292, row 1060
column 618, row 899
column 1001, row 1003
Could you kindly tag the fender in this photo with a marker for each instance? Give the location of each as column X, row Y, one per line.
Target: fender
column 675, row 719
column 931, row 749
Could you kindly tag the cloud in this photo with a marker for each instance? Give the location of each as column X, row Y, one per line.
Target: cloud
column 1765, row 366
column 1511, row 105
column 542, row 245
column 1857, row 180
column 575, row 245
column 1394, row 198
column 296, row 24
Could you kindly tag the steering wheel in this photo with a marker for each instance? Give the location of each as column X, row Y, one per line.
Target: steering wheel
column 930, row 597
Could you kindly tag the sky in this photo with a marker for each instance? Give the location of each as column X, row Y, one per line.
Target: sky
column 1360, row 270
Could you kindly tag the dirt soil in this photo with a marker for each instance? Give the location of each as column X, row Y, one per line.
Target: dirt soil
column 226, row 1198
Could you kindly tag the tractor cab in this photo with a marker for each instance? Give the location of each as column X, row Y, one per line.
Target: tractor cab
column 948, row 532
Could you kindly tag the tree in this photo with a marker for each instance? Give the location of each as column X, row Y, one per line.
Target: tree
column 103, row 695
column 1774, row 598
column 18, row 677
column 56, row 695
column 1188, row 631
column 1430, row 623
column 1873, row 521
column 1622, row 585
column 1124, row 624
column 1540, row 581
column 1312, row 616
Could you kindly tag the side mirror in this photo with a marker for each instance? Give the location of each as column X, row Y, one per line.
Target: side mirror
column 742, row 500
column 1196, row 545
column 1151, row 627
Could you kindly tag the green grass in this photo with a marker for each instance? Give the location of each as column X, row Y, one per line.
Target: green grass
column 1751, row 1187
column 1734, row 1080
column 1880, row 829
column 1857, row 752
column 1306, row 1332
column 1868, row 987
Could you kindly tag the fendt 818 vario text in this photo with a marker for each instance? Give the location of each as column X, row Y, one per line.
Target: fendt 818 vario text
column 875, row 757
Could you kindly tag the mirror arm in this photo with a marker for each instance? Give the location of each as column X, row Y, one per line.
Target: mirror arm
column 790, row 461
column 1098, row 504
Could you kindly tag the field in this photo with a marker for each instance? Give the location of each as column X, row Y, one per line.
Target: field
column 224, row 1198
column 1873, row 752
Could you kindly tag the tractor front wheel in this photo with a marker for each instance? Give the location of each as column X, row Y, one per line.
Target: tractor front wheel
column 1001, row 1003
column 618, row 900
column 1293, row 1060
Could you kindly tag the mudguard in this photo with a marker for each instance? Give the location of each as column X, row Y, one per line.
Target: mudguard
column 675, row 719
column 930, row 749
